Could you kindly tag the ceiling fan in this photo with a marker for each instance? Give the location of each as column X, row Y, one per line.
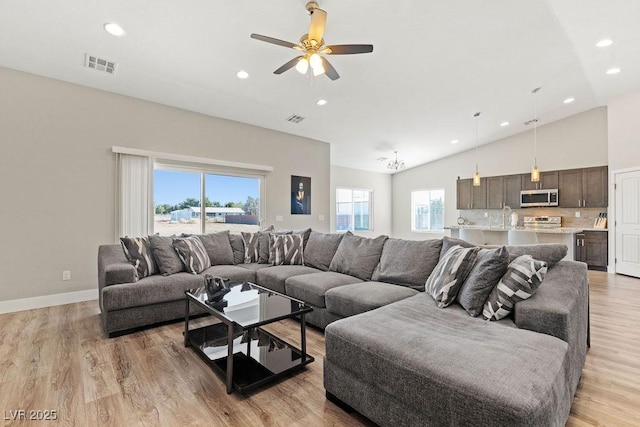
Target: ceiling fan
column 313, row 47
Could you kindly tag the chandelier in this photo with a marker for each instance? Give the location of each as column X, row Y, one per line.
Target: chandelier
column 395, row 164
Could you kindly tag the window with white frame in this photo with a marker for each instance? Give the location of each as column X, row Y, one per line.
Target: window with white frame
column 427, row 210
column 353, row 210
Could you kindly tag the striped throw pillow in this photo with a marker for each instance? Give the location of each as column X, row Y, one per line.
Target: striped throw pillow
column 286, row 249
column 450, row 273
column 251, row 247
column 138, row 252
column 522, row 279
column 192, row 253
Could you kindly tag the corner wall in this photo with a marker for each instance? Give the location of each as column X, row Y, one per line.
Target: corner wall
column 57, row 173
column 574, row 142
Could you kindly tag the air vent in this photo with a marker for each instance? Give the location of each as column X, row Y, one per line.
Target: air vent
column 294, row 118
column 99, row 64
column 532, row 121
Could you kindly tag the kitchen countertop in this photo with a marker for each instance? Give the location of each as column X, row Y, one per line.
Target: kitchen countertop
column 561, row 230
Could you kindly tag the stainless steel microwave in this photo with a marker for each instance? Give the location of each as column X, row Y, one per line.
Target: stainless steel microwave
column 535, row 198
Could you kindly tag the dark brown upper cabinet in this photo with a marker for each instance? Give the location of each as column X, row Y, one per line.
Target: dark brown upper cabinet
column 584, row 188
column 495, row 192
column 463, row 193
column 512, row 188
column 548, row 181
column 479, row 195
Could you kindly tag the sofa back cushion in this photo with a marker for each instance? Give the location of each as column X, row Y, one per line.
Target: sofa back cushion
column 237, row 246
column 218, row 247
column 320, row 249
column 358, row 256
column 408, row 262
column 165, row 255
column 138, row 252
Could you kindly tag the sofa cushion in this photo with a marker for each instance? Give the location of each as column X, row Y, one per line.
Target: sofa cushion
column 407, row 262
column 485, row 275
column 521, row 280
column 274, row 277
column 237, row 246
column 320, row 249
column 192, row 253
column 138, row 252
column 235, row 273
column 149, row 290
column 286, row 249
column 165, row 255
column 254, row 266
column 357, row 298
column 454, row 368
column 218, row 247
column 450, row 273
column 358, row 256
column 311, row 288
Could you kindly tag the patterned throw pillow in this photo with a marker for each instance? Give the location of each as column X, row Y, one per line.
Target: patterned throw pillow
column 450, row 273
column 522, row 279
column 138, row 252
column 286, row 249
column 192, row 253
column 251, row 241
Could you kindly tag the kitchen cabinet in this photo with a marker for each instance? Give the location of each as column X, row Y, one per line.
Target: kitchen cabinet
column 512, row 188
column 548, row 181
column 495, row 192
column 583, row 188
column 592, row 248
column 470, row 197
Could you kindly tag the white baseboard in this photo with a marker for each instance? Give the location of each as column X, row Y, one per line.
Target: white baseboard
column 47, row 301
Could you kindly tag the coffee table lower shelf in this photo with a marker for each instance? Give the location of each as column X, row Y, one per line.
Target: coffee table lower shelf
column 259, row 356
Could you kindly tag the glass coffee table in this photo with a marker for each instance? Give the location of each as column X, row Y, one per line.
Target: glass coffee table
column 237, row 346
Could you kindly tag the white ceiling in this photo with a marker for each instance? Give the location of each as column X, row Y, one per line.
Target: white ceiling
column 434, row 64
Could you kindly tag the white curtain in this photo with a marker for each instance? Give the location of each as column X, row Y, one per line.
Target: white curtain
column 134, row 198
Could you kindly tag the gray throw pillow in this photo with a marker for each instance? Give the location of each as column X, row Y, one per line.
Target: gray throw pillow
column 522, row 279
column 358, row 256
column 486, row 273
column 138, row 252
column 320, row 249
column 237, row 246
column 286, row 249
column 408, row 262
column 448, row 276
column 192, row 253
column 165, row 255
column 263, row 244
column 218, row 247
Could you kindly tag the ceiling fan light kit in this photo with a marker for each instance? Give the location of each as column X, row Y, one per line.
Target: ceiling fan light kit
column 312, row 44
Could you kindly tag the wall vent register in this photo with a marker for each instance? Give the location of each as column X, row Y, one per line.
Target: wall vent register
column 99, row 64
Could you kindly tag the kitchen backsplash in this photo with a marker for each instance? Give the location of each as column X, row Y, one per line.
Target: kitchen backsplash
column 587, row 216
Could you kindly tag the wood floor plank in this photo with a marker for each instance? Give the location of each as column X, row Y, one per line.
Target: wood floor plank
column 58, row 358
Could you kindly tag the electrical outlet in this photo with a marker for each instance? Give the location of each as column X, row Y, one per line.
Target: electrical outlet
column 486, row 214
column 66, row 275
column 320, row 217
column 578, row 214
column 279, row 218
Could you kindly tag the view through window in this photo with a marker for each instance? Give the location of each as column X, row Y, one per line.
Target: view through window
column 353, row 210
column 230, row 202
column 427, row 210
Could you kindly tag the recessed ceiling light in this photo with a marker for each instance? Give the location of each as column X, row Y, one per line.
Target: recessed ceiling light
column 454, row 141
column 321, row 102
column 569, row 100
column 242, row 74
column 614, row 70
column 504, row 124
column 604, row 43
column 114, row 29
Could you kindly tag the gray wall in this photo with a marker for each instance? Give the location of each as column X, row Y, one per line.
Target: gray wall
column 57, row 173
column 624, row 132
column 577, row 141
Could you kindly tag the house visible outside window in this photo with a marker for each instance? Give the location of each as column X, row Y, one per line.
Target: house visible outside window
column 353, row 210
column 427, row 210
column 179, row 194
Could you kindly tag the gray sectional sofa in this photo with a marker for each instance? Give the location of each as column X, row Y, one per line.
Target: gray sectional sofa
column 391, row 353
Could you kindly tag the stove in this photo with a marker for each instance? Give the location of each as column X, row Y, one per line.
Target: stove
column 542, row 222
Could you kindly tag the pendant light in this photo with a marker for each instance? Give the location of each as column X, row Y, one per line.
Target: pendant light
column 476, row 176
column 535, row 172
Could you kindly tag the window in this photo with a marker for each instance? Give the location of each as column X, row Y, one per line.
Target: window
column 231, row 202
column 427, row 210
column 353, row 210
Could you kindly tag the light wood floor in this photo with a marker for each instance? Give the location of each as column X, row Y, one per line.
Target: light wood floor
column 58, row 359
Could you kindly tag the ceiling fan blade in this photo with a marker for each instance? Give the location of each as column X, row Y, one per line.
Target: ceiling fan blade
column 288, row 65
column 274, row 41
column 329, row 70
column 316, row 28
column 347, row 49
